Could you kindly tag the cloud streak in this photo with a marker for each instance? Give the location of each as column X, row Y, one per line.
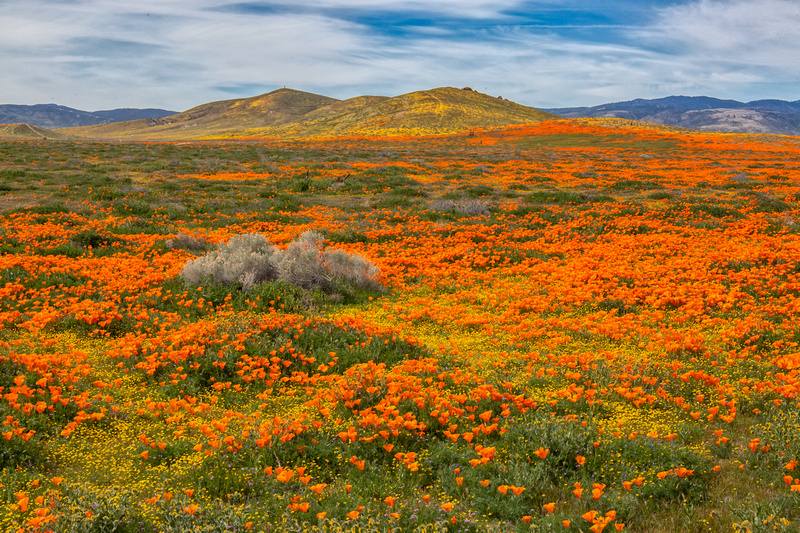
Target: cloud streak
column 95, row 54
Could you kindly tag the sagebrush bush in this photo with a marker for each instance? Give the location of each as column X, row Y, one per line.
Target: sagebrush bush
column 467, row 207
column 249, row 259
column 244, row 260
column 353, row 268
column 303, row 264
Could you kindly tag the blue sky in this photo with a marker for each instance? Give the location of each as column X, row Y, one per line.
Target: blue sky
column 175, row 54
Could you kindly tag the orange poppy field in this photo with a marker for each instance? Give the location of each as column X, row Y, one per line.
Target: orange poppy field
column 581, row 326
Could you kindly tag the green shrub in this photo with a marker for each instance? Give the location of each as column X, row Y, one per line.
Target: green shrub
column 301, row 182
column 137, row 208
column 347, row 236
column 660, row 195
column 390, row 203
column 93, row 239
column 286, row 203
column 557, row 198
column 770, row 205
column 716, row 211
column 479, row 191
column 47, row 208
column 409, row 192
column 633, row 185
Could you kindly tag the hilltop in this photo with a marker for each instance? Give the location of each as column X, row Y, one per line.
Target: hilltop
column 297, row 114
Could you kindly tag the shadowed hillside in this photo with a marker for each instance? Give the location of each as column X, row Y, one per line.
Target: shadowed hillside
column 297, row 114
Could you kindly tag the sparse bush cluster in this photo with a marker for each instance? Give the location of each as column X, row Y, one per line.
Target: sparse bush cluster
column 466, row 207
column 250, row 259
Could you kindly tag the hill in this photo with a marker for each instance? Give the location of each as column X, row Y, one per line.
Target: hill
column 701, row 113
column 28, row 131
column 57, row 116
column 297, row 114
column 224, row 117
column 430, row 112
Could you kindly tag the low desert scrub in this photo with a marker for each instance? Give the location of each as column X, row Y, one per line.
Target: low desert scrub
column 466, row 207
column 244, row 260
column 250, row 259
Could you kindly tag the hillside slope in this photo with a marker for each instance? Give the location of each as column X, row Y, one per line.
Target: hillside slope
column 295, row 114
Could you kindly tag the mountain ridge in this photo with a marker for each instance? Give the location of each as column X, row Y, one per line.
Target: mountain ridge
column 700, row 113
column 292, row 113
column 53, row 116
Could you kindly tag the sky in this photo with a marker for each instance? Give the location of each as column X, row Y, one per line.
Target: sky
column 176, row 54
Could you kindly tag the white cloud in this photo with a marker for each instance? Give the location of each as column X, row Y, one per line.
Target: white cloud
column 112, row 53
column 757, row 35
column 760, row 30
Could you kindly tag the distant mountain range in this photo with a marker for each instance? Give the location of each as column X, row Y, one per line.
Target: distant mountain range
column 291, row 113
column 53, row 116
column 288, row 113
column 701, row 113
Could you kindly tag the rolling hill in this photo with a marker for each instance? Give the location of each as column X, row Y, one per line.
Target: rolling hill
column 296, row 114
column 22, row 131
column 701, row 113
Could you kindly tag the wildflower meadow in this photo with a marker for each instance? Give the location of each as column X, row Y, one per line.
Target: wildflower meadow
column 576, row 326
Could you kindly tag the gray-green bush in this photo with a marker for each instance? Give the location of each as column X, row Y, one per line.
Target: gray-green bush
column 244, row 260
column 249, row 259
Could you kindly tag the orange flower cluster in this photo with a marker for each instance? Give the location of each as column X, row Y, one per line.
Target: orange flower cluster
column 627, row 319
